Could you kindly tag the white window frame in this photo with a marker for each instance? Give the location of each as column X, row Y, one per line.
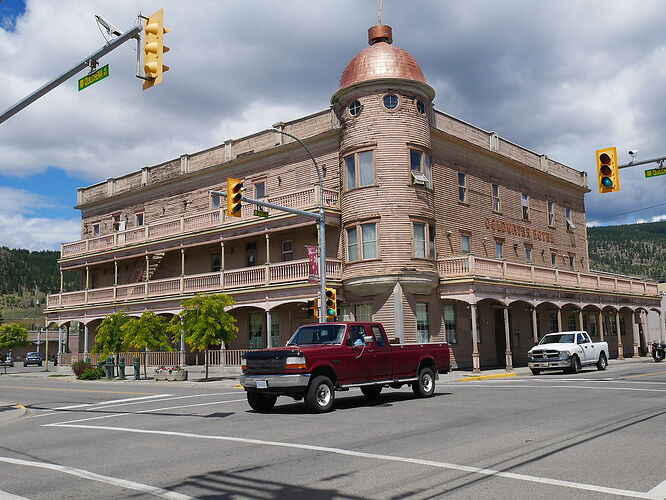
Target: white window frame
column 499, row 249
column 287, row 253
column 354, row 161
column 422, row 322
column 463, row 238
column 215, row 201
column 569, row 218
column 551, row 213
column 137, row 216
column 426, row 246
column 422, row 174
column 495, row 196
column 450, row 323
column 525, row 205
column 462, row 186
column 360, row 244
column 363, row 312
column 529, row 250
column 258, row 187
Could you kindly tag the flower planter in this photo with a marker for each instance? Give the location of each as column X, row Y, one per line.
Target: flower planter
column 177, row 375
column 161, row 374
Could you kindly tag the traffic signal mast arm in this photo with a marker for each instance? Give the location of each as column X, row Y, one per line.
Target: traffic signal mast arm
column 90, row 61
column 659, row 160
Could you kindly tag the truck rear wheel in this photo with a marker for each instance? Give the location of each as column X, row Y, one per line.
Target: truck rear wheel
column 320, row 395
column 371, row 391
column 424, row 387
column 261, row 402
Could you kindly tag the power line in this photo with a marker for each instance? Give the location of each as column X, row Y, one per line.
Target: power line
column 625, row 213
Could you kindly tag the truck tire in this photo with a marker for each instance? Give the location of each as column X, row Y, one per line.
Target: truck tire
column 535, row 371
column 575, row 365
column 261, row 402
column 602, row 364
column 424, row 387
column 371, row 391
column 320, row 395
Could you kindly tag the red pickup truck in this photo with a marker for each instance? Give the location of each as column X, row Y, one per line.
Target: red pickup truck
column 322, row 358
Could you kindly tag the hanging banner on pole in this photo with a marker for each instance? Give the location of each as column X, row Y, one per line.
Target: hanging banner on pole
column 313, row 256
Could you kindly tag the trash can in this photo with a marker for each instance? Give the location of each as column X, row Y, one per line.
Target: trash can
column 108, row 368
column 121, row 368
column 137, row 368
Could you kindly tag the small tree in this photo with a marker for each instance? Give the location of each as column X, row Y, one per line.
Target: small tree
column 206, row 322
column 12, row 335
column 110, row 338
column 149, row 332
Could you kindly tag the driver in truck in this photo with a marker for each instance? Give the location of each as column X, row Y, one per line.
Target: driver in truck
column 358, row 336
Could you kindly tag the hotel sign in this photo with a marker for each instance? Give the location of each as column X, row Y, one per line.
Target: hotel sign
column 518, row 230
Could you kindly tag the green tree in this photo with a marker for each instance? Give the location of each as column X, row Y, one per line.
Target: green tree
column 110, row 338
column 12, row 336
column 149, row 332
column 206, row 322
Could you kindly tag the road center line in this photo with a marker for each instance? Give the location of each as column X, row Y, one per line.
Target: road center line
column 390, row 458
column 523, row 386
column 123, row 483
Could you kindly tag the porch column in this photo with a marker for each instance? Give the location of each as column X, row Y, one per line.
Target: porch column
column 580, row 319
column 620, row 347
column 535, row 325
column 221, row 265
column 634, row 330
column 507, row 337
column 147, row 266
column 600, row 325
column 87, row 277
column 268, row 260
column 182, row 262
column 646, row 334
column 115, row 272
column 59, row 339
column 182, row 348
column 559, row 319
column 85, row 341
column 269, row 342
column 476, row 362
column 62, row 281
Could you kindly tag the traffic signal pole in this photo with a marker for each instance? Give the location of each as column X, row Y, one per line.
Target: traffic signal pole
column 90, row 61
column 632, row 163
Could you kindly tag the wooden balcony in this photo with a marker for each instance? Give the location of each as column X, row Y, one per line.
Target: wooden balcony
column 295, row 271
column 471, row 266
column 190, row 224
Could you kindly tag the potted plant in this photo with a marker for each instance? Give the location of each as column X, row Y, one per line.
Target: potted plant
column 161, row 373
column 176, row 373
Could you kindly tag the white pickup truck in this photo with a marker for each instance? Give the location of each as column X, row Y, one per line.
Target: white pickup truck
column 568, row 351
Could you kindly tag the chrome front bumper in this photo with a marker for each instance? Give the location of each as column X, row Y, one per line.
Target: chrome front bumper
column 291, row 381
column 545, row 365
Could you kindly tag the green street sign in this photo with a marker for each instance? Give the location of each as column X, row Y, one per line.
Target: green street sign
column 95, row 77
column 260, row 213
column 653, row 172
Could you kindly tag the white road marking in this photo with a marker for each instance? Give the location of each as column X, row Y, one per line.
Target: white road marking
column 93, row 406
column 164, row 399
column 390, row 458
column 659, row 491
column 558, row 387
column 123, row 483
column 189, row 406
column 8, row 496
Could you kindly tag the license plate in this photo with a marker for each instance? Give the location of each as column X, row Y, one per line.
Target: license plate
column 544, row 365
column 262, row 384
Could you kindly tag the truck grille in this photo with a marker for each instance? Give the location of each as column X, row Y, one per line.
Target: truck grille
column 272, row 365
column 545, row 354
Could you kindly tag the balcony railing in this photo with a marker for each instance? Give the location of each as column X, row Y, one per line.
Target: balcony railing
column 472, row 266
column 185, row 224
column 295, row 271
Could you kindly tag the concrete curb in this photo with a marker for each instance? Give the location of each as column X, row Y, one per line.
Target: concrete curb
column 487, row 377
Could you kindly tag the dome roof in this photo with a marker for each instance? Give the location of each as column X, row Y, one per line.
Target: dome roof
column 381, row 60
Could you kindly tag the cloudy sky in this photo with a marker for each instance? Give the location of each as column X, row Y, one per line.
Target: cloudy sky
column 561, row 78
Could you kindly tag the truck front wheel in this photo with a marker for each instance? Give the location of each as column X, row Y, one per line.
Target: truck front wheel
column 261, row 402
column 575, row 364
column 424, row 387
column 320, row 395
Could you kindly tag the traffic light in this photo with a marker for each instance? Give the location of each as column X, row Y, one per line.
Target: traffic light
column 154, row 49
column 234, row 197
column 313, row 308
column 330, row 303
column 608, row 172
column 338, row 308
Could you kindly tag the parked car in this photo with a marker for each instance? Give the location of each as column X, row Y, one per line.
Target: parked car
column 6, row 360
column 32, row 358
column 568, row 351
column 327, row 357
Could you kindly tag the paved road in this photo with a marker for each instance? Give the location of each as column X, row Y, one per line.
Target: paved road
column 553, row 436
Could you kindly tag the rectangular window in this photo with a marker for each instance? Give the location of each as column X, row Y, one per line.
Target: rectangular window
column 499, row 249
column 623, row 326
column 215, row 262
column 363, row 312
column 255, row 330
column 525, row 204
column 572, row 258
column 553, row 259
column 612, row 323
column 419, row 246
column 139, row 219
column 528, row 254
column 496, row 197
column 419, row 163
column 431, row 242
column 569, row 217
column 215, row 201
column 259, row 190
column 552, row 316
column 465, row 243
column 462, row 187
column 367, row 244
column 276, row 340
column 590, row 324
column 450, row 323
column 551, row 213
column 115, row 220
column 287, row 250
column 571, row 322
column 422, row 322
column 251, row 253
column 359, row 170
column 352, row 244
column 95, row 229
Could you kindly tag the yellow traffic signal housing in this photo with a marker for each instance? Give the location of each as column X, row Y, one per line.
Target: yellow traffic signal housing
column 234, row 197
column 608, row 171
column 331, row 303
column 313, row 308
column 154, row 49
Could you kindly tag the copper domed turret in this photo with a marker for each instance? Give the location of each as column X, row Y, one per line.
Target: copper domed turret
column 381, row 60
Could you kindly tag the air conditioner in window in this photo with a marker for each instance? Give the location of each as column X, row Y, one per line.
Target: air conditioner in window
column 419, row 178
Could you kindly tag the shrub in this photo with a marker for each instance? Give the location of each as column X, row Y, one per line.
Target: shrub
column 92, row 374
column 79, row 367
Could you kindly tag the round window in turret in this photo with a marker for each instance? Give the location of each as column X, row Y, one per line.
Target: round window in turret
column 390, row 101
column 355, row 108
column 420, row 107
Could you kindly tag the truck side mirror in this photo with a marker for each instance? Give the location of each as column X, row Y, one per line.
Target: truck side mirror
column 368, row 339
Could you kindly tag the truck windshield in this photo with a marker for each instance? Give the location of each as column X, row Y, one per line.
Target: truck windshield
column 565, row 338
column 318, row 334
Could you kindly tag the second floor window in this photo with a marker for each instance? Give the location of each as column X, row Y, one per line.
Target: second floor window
column 569, row 217
column 215, row 201
column 499, row 249
column 95, row 229
column 528, row 254
column 553, row 259
column 259, row 190
column 551, row 213
column 419, row 163
column 424, row 240
column 362, row 242
column 139, row 219
column 525, row 204
column 287, row 250
column 496, row 197
column 359, row 170
column 465, row 246
column 462, row 187
column 215, row 262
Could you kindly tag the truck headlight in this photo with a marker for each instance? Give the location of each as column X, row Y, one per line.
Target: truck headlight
column 295, row 362
column 565, row 354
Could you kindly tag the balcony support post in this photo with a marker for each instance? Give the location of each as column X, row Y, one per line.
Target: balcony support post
column 559, row 319
column 115, row 272
column 580, row 318
column 476, row 362
column 535, row 325
column 85, row 341
column 635, row 332
column 600, row 324
column 62, row 281
column 87, row 277
column 269, row 341
column 471, row 264
column 507, row 339
column 620, row 347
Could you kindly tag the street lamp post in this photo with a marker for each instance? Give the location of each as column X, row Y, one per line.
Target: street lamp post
column 322, row 225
